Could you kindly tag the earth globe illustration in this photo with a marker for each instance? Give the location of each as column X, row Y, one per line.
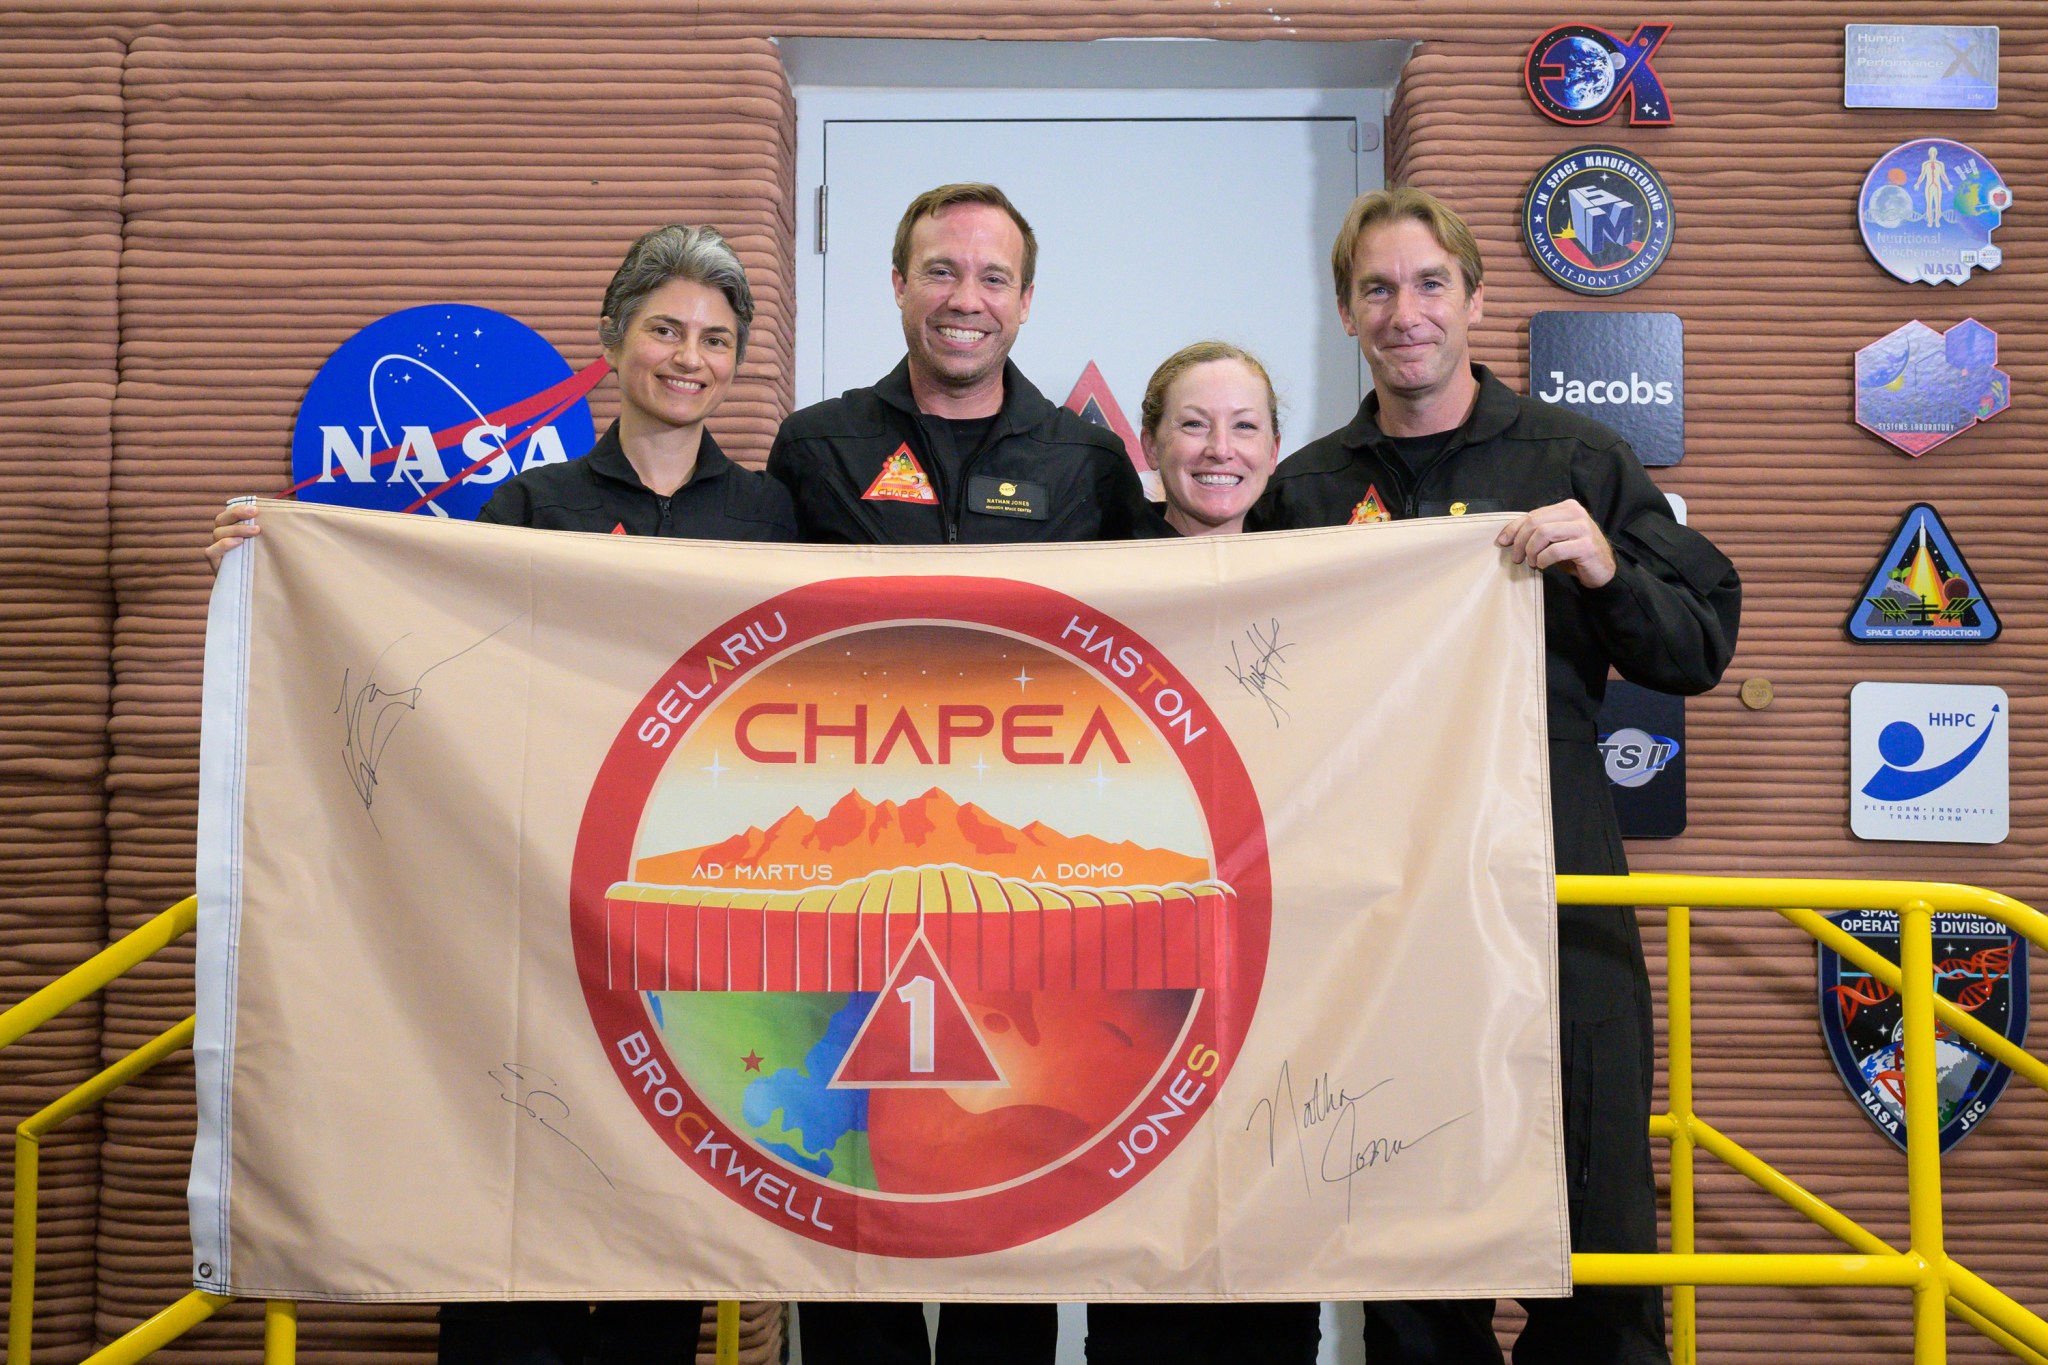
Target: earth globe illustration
column 1890, row 206
column 1588, row 71
column 1955, row 1069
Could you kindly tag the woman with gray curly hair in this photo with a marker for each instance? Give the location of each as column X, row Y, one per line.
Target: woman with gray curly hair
column 674, row 327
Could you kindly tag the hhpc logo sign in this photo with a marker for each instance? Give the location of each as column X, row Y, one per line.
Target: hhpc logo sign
column 1927, row 763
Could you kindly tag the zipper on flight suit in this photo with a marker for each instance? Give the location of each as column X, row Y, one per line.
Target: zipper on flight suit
column 1397, row 474
column 661, row 526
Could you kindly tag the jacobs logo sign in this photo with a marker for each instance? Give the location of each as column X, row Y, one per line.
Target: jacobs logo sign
column 923, row 915
column 1625, row 370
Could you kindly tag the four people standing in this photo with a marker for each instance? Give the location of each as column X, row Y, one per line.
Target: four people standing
column 955, row 446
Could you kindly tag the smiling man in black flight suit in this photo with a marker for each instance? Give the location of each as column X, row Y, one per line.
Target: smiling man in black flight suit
column 953, row 446
column 1624, row 585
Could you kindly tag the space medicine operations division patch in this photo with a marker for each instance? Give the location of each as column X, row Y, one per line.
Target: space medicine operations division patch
column 1980, row 966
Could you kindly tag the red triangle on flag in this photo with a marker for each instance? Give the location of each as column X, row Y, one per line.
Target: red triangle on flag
column 918, row 1034
column 1092, row 399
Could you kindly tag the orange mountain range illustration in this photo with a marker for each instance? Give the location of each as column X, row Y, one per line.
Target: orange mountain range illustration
column 858, row 836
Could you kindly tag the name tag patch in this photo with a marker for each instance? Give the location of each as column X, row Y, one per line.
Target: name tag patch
column 1459, row 507
column 1007, row 497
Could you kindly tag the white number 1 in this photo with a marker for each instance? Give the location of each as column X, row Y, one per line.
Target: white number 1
column 917, row 993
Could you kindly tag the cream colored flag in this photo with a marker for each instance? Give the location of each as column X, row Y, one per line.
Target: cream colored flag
column 593, row 917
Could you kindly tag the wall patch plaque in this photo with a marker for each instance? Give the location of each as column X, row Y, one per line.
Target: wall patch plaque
column 1623, row 370
column 1920, row 66
column 1980, row 966
column 1597, row 220
column 1577, row 73
column 1928, row 210
column 1917, row 387
column 1928, row 763
column 1922, row 590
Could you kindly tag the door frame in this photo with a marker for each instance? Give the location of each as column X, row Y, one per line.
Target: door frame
column 1195, row 78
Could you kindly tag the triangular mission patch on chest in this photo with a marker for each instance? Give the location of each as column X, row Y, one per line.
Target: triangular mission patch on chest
column 1370, row 507
column 902, row 480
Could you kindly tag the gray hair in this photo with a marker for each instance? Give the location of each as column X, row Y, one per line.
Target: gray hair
column 675, row 252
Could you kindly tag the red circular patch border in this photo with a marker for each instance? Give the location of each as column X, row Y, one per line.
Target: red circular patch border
column 976, row 1223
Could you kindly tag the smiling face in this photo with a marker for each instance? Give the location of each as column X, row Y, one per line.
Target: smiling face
column 677, row 357
column 963, row 299
column 1214, row 446
column 1408, row 308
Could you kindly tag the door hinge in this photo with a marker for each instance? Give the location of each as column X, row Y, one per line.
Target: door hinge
column 821, row 220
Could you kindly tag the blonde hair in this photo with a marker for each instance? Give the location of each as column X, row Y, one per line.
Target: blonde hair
column 1186, row 358
column 1380, row 206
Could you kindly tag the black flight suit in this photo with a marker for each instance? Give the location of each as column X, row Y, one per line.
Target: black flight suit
column 602, row 493
column 1667, row 621
column 1068, row 479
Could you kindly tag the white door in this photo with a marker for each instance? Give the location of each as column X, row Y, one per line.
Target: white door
column 1153, row 232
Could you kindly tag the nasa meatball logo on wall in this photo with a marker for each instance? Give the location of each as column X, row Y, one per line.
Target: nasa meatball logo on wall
column 1577, row 73
column 868, row 949
column 430, row 409
column 1624, row 370
column 1927, row 763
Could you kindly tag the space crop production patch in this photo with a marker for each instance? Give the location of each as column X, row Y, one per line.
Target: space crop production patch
column 599, row 917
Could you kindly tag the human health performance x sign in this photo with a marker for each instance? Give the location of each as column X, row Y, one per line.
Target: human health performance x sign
column 595, row 917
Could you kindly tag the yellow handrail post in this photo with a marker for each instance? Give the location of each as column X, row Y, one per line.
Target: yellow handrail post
column 28, row 1137
column 726, row 1347
column 280, row 1332
column 1678, row 1012
column 1923, row 1131
column 21, row 1297
column 151, row 1336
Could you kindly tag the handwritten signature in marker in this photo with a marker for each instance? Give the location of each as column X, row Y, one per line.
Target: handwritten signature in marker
column 1342, row 1157
column 1257, row 668
column 370, row 715
column 517, row 1087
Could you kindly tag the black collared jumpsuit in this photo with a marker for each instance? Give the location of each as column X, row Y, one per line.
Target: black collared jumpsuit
column 602, row 493
column 1667, row 621
column 1073, row 481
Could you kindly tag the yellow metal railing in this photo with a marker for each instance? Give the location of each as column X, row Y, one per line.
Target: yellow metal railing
column 280, row 1317
column 1939, row 1284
